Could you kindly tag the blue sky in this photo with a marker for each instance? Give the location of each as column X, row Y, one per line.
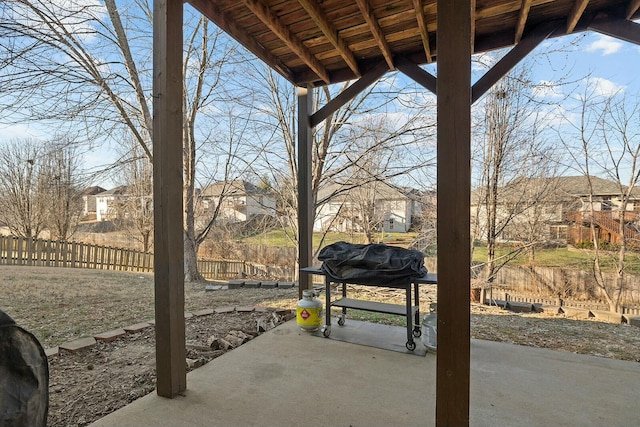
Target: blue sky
column 614, row 61
column 613, row 65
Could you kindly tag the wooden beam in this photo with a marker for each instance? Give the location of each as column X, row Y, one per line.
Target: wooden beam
column 348, row 94
column 454, row 193
column 511, row 59
column 633, row 7
column 305, row 194
column 417, row 74
column 618, row 28
column 473, row 26
column 376, row 31
column 167, row 198
column 424, row 32
column 315, row 12
column 522, row 19
column 576, row 13
column 272, row 21
column 211, row 11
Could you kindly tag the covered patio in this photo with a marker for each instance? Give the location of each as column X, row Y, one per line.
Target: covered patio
column 287, row 377
column 313, row 43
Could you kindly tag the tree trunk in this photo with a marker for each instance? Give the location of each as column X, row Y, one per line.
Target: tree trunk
column 191, row 273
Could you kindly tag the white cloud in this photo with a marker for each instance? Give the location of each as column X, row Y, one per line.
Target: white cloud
column 20, row 131
column 605, row 45
column 558, row 116
column 604, row 87
column 546, row 89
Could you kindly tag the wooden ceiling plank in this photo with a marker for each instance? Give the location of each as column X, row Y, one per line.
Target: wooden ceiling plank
column 417, row 74
column 576, row 13
column 633, row 8
column 511, row 59
column 522, row 19
column 211, row 11
column 422, row 24
column 349, row 93
column 376, row 31
column 320, row 18
column 271, row 20
column 618, row 28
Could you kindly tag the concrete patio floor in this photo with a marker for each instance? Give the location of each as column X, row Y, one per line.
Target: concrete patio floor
column 287, row 377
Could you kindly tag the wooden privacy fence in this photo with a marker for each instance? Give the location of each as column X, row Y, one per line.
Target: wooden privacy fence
column 564, row 283
column 229, row 269
column 52, row 253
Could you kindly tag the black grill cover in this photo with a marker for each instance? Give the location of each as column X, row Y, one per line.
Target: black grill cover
column 373, row 264
column 24, row 377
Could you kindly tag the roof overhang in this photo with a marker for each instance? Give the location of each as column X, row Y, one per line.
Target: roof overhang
column 315, row 42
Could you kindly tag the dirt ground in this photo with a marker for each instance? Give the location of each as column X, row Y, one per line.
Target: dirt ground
column 61, row 305
column 89, row 384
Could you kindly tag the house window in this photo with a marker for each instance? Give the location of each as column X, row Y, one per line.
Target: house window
column 390, row 223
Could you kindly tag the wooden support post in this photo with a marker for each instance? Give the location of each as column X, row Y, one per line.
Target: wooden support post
column 454, row 188
column 167, row 197
column 305, row 195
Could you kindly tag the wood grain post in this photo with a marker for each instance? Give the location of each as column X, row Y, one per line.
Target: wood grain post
column 454, row 188
column 167, row 198
column 305, row 195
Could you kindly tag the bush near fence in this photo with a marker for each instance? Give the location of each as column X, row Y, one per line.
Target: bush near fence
column 52, row 253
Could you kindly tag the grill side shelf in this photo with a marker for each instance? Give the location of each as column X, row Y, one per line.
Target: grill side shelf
column 378, row 307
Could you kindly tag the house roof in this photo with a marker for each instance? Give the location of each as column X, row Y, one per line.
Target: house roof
column 328, row 41
column 563, row 188
column 90, row 191
column 233, row 188
column 338, row 192
column 579, row 186
column 117, row 191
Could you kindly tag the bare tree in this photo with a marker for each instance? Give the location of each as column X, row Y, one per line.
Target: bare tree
column 87, row 64
column 227, row 159
column 334, row 156
column 508, row 142
column 609, row 137
column 62, row 187
column 136, row 205
column 23, row 185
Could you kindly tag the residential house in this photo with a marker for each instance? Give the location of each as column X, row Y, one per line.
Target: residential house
column 239, row 200
column 354, row 208
column 108, row 203
column 89, row 200
column 556, row 209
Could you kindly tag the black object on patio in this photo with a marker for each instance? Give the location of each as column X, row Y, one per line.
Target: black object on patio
column 375, row 264
column 24, row 377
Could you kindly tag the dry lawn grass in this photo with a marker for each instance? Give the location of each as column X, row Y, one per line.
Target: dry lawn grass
column 59, row 305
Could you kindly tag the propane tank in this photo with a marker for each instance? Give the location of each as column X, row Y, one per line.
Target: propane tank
column 430, row 328
column 309, row 311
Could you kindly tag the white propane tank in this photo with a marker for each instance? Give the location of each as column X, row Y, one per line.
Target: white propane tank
column 309, row 311
column 430, row 328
